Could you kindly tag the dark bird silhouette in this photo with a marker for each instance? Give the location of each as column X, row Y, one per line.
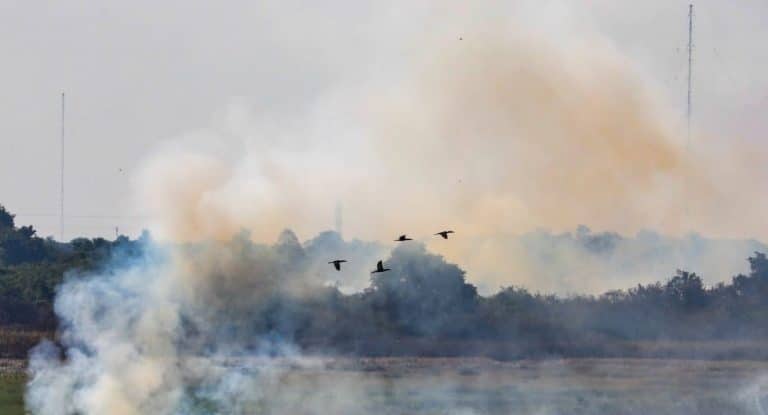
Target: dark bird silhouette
column 379, row 268
column 444, row 234
column 403, row 238
column 337, row 263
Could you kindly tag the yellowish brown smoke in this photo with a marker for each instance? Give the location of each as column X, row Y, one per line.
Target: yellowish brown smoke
column 499, row 133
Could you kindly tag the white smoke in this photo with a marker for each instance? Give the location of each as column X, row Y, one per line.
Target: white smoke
column 755, row 396
column 119, row 331
column 169, row 334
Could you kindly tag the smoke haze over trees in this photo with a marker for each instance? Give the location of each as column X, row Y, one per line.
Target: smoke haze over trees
column 423, row 305
column 207, row 322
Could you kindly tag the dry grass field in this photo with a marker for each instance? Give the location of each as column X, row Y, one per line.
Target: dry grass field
column 577, row 386
column 470, row 386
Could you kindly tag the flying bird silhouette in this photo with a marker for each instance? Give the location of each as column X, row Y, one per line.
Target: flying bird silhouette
column 403, row 238
column 379, row 268
column 337, row 263
column 444, row 234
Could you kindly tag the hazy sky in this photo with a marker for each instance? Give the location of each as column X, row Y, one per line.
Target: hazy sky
column 137, row 73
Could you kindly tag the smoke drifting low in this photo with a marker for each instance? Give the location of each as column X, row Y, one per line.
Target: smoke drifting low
column 172, row 333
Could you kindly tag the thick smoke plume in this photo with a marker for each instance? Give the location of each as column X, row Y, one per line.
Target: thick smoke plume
column 495, row 133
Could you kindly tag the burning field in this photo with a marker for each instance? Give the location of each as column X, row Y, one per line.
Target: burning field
column 468, row 131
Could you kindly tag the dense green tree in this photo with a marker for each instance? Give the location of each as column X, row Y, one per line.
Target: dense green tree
column 6, row 219
column 422, row 293
column 687, row 290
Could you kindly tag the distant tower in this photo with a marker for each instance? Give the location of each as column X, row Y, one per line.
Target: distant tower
column 690, row 73
column 338, row 218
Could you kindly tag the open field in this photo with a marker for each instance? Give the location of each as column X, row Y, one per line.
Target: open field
column 11, row 394
column 481, row 386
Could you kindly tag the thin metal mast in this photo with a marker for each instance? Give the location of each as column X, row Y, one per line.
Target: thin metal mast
column 690, row 67
column 61, row 174
column 686, row 205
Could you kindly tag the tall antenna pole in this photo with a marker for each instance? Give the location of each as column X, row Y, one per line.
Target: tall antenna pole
column 690, row 65
column 61, row 175
column 688, row 107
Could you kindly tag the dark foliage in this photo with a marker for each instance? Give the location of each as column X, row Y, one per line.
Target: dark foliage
column 32, row 267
